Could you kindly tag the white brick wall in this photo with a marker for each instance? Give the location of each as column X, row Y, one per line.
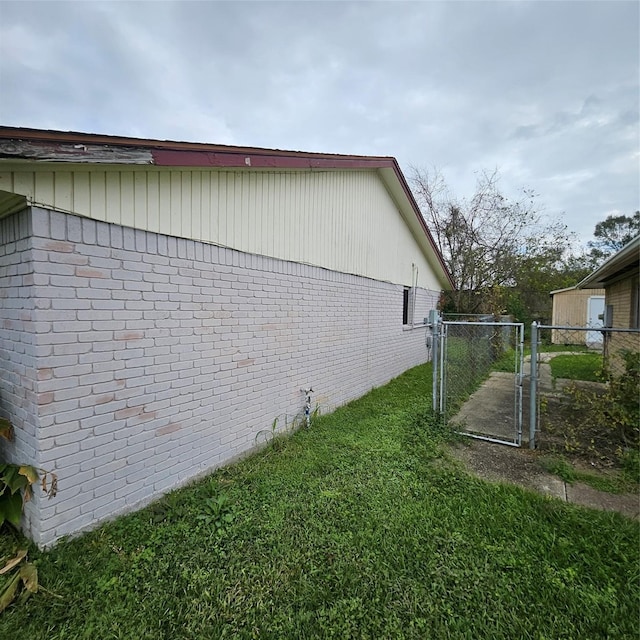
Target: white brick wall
column 19, row 394
column 159, row 357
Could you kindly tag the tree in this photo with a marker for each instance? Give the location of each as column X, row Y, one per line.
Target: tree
column 495, row 248
column 611, row 235
column 537, row 274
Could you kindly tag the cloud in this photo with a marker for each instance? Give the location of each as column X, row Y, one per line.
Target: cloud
column 547, row 92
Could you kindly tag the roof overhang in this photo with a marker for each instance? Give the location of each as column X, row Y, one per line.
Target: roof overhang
column 11, row 203
column 553, row 293
column 19, row 144
column 626, row 261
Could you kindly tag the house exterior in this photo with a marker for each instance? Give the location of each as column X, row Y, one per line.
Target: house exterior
column 619, row 276
column 573, row 307
column 165, row 303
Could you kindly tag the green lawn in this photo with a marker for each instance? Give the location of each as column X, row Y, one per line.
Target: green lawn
column 357, row 528
column 581, row 366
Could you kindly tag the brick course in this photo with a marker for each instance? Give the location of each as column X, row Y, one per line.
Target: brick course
column 162, row 358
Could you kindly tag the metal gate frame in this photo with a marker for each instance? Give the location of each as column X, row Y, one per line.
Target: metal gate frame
column 440, row 331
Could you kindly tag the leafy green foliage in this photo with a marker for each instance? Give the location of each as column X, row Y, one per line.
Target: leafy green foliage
column 15, row 489
column 16, row 481
column 599, row 422
column 624, row 407
column 504, row 256
column 546, row 266
column 6, row 429
column 360, row 527
column 630, row 463
column 617, row 410
column 217, row 513
column 21, row 576
column 611, row 235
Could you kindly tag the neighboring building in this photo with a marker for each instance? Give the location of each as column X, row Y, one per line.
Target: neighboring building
column 163, row 303
column 573, row 307
column 619, row 276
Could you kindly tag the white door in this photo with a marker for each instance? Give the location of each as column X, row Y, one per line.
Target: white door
column 595, row 318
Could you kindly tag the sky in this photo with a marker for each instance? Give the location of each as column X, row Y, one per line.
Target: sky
column 545, row 92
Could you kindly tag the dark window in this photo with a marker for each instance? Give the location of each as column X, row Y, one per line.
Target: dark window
column 405, row 306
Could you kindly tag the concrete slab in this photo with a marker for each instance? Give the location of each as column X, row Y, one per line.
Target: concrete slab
column 628, row 504
column 549, row 485
column 491, row 410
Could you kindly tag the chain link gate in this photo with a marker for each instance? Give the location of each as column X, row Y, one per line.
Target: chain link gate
column 477, row 378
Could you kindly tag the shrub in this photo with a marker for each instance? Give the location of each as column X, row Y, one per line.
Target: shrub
column 16, row 481
column 612, row 415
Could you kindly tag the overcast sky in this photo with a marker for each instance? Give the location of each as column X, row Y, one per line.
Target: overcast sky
column 546, row 92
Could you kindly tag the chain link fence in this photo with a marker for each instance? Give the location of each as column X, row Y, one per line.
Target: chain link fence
column 467, row 354
column 586, row 392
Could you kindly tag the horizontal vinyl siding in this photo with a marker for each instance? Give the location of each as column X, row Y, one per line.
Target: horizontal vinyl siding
column 619, row 296
column 341, row 220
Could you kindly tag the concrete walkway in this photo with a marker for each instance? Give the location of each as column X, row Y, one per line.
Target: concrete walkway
column 499, row 463
column 489, row 411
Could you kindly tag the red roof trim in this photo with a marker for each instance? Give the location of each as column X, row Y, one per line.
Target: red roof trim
column 168, row 153
column 275, row 159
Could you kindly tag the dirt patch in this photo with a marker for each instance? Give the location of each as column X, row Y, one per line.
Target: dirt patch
column 500, row 463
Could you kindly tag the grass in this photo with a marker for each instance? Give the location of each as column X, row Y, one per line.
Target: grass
column 359, row 527
column 623, row 480
column 506, row 362
column 583, row 366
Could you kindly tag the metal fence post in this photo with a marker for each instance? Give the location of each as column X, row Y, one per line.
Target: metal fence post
column 435, row 355
column 533, row 386
column 442, row 378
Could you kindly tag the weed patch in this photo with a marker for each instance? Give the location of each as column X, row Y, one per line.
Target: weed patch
column 614, row 481
column 598, row 423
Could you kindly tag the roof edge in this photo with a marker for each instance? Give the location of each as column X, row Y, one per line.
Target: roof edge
column 76, row 137
column 595, row 279
column 416, row 209
column 551, row 293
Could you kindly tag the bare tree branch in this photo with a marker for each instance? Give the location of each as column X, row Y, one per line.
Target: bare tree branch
column 484, row 240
